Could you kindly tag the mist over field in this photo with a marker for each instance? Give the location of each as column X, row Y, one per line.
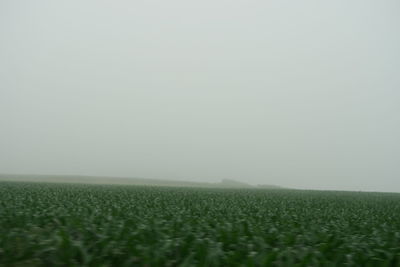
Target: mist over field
column 300, row 94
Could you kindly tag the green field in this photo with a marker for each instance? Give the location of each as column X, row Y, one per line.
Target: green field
column 45, row 224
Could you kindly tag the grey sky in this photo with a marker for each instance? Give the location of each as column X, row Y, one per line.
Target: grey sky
column 303, row 94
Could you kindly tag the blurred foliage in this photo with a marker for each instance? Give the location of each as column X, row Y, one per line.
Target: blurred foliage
column 44, row 224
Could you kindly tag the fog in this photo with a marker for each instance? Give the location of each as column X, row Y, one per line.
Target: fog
column 302, row 94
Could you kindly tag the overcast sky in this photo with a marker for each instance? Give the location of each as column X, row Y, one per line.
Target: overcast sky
column 304, row 94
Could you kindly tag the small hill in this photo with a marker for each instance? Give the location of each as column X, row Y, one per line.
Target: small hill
column 268, row 186
column 232, row 184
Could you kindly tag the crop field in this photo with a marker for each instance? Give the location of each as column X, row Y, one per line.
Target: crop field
column 44, row 224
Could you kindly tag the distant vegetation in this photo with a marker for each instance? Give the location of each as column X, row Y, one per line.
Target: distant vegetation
column 50, row 224
column 225, row 183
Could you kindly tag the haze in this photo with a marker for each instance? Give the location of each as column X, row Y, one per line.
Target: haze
column 303, row 94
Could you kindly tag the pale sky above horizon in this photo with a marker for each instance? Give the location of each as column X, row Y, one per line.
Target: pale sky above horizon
column 304, row 94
